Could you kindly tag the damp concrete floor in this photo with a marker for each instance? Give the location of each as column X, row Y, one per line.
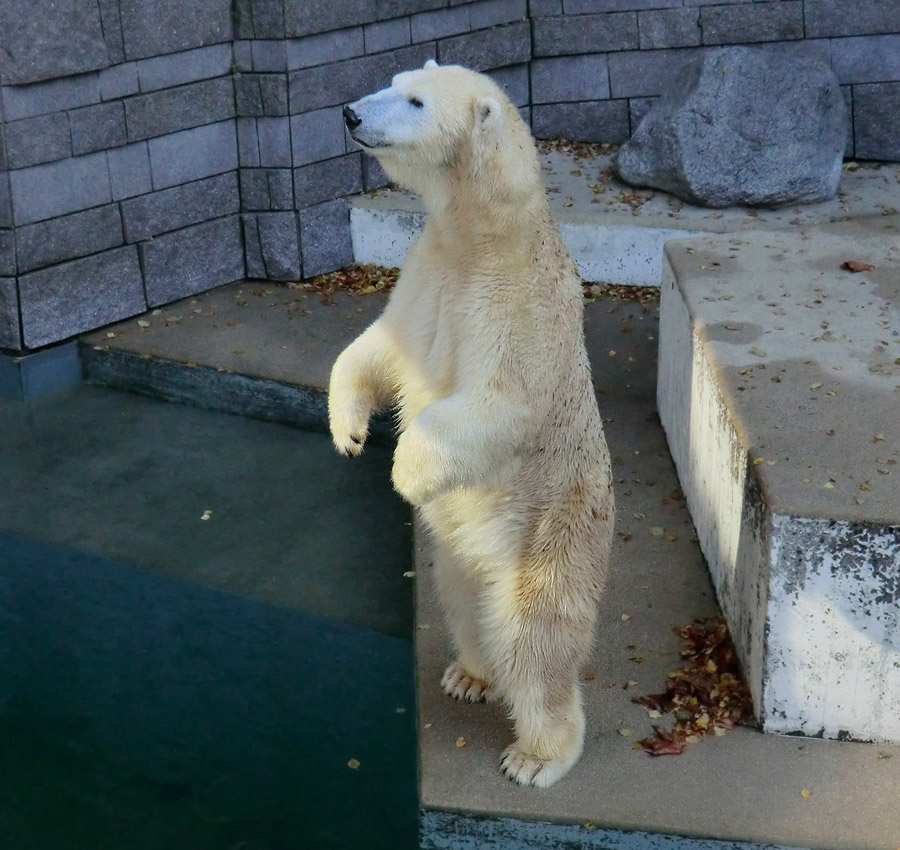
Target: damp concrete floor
column 744, row 790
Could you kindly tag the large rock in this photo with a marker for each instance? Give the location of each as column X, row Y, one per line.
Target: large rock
column 743, row 125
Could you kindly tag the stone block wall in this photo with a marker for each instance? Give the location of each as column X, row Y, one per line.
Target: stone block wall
column 151, row 149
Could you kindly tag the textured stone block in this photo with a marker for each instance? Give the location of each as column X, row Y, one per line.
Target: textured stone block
column 6, row 218
column 70, row 298
column 7, row 253
column 395, row 8
column 57, row 188
column 373, row 175
column 301, row 17
column 269, row 56
column 10, row 332
column 317, row 135
column 325, row 237
column 669, row 28
column 773, row 132
column 156, row 27
column 645, row 73
column 31, row 141
column 181, row 206
column 585, row 34
column 486, row 49
column 111, row 21
column 272, row 242
column 325, row 47
column 274, row 142
column 867, row 59
column 876, row 109
column 189, row 66
column 261, row 94
column 492, row 13
column 179, row 108
column 44, row 39
column 825, row 18
column 323, row 181
column 129, row 170
column 386, row 35
column 193, row 154
column 514, row 80
column 544, row 8
column 586, row 7
column 248, row 143
column 752, row 22
column 440, row 23
column 119, row 81
column 569, row 78
column 590, row 121
column 68, row 237
column 242, row 56
column 242, row 16
column 638, row 107
column 97, row 127
column 192, row 260
column 267, row 189
column 260, row 18
column 52, row 96
column 341, row 82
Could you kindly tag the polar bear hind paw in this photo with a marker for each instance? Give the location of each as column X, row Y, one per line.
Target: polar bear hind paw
column 458, row 683
column 525, row 768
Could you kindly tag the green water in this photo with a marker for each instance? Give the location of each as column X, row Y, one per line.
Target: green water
column 174, row 682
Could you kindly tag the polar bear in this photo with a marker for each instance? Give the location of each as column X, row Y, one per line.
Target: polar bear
column 501, row 447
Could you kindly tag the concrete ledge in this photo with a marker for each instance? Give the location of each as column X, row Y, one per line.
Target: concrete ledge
column 615, row 232
column 779, row 385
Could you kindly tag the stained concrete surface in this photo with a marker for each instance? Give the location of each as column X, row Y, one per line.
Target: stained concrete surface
column 807, row 358
column 744, row 787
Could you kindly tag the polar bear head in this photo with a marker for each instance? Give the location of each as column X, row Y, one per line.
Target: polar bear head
column 445, row 123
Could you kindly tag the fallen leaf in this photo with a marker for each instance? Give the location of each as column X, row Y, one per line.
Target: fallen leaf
column 409, row 574
column 624, row 731
column 460, row 742
column 856, row 266
column 757, row 352
column 805, row 794
column 207, row 514
column 353, row 764
column 143, row 323
column 625, row 618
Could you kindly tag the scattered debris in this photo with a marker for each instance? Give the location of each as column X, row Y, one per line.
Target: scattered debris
column 207, row 514
column 584, row 150
column 460, row 742
column 707, row 697
column 353, row 764
column 358, row 279
column 856, row 266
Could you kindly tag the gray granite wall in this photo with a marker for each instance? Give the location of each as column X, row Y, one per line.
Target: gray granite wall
column 152, row 149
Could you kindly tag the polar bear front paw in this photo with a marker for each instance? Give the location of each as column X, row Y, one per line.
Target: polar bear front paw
column 420, row 472
column 349, row 429
column 528, row 769
column 458, row 683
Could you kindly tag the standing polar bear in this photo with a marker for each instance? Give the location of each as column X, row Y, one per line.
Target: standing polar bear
column 501, row 446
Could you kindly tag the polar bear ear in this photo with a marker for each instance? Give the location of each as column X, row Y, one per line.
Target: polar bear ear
column 490, row 116
column 430, row 63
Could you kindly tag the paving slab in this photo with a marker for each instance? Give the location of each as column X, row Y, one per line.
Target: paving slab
column 779, row 389
column 616, row 232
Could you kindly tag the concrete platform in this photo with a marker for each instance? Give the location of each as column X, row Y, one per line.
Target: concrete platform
column 739, row 792
column 615, row 232
column 779, row 390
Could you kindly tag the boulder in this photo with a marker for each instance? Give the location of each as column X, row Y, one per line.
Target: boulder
column 743, row 125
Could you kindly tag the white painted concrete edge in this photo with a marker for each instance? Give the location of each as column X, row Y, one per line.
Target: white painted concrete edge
column 620, row 254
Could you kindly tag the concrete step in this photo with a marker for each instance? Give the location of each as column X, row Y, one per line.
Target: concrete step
column 779, row 391
column 743, row 790
column 615, row 232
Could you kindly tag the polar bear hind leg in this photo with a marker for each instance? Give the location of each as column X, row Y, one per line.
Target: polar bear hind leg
column 535, row 652
column 468, row 678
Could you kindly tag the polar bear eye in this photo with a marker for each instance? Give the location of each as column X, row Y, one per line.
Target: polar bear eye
column 414, row 101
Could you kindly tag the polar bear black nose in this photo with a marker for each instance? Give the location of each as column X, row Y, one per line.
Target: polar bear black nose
column 352, row 119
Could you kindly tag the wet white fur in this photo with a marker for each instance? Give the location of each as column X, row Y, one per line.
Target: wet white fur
column 501, row 446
